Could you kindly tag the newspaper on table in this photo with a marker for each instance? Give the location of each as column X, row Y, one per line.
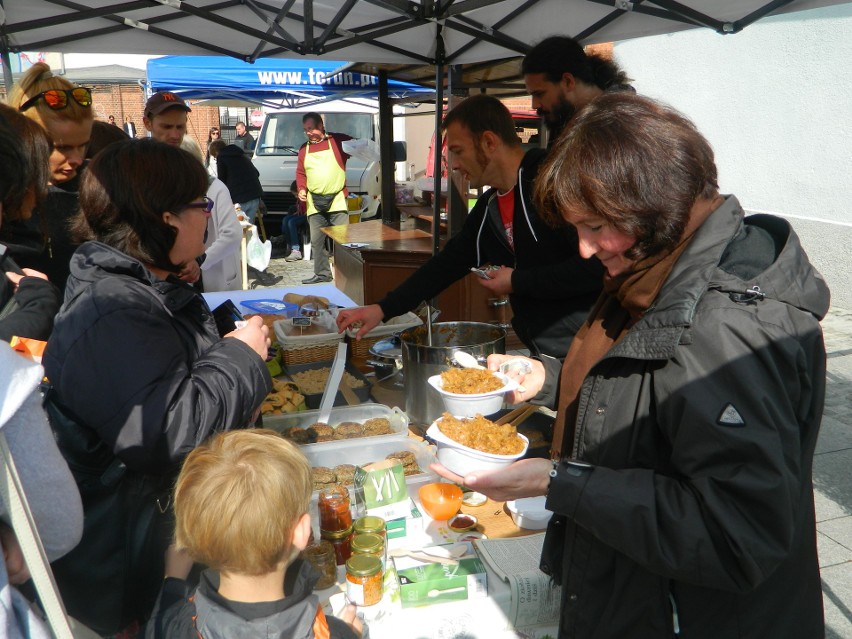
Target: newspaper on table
column 535, row 598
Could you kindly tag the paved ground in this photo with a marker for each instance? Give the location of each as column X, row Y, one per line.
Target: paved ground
column 832, row 464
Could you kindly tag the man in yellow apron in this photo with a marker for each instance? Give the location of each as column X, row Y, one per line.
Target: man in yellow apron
column 321, row 181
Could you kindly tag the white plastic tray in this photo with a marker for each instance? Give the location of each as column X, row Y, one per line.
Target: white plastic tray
column 361, row 413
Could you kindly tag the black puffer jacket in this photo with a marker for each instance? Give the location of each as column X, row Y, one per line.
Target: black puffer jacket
column 554, row 288
column 696, row 519
column 139, row 365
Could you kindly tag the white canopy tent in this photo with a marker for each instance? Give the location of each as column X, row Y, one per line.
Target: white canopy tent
column 388, row 33
column 395, row 31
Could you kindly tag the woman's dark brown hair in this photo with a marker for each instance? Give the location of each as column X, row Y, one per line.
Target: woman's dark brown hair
column 126, row 189
column 637, row 164
column 37, row 147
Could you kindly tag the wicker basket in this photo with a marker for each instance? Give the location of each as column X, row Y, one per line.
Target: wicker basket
column 306, row 349
column 361, row 348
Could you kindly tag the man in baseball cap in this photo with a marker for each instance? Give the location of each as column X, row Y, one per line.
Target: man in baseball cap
column 165, row 117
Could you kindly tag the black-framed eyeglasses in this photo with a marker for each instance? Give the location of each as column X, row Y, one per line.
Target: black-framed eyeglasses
column 206, row 206
column 57, row 99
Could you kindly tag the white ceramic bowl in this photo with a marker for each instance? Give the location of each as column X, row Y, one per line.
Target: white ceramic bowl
column 473, row 404
column 529, row 513
column 463, row 460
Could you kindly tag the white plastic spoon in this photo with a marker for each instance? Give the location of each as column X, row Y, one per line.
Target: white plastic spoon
column 466, row 360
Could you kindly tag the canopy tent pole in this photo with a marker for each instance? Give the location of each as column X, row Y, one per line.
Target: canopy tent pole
column 439, row 146
column 389, row 211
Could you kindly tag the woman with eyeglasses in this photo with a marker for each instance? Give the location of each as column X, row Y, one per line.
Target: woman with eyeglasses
column 139, row 372
column 65, row 111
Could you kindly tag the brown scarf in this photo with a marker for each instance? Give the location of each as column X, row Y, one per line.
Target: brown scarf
column 622, row 303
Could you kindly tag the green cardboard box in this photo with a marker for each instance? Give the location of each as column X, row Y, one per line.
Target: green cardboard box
column 434, row 582
column 399, row 528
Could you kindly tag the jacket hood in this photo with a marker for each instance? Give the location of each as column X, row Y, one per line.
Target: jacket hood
column 295, row 621
column 780, row 272
column 95, row 261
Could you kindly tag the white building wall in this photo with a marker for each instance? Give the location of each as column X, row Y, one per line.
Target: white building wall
column 775, row 101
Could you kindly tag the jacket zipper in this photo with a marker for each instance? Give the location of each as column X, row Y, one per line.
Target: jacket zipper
column 675, row 620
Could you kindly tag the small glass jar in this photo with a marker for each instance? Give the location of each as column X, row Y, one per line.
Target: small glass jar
column 369, row 544
column 371, row 524
column 334, row 511
column 364, row 580
column 321, row 556
column 341, row 540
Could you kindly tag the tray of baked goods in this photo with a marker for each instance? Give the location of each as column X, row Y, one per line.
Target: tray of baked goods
column 348, row 426
column 310, row 379
column 335, row 464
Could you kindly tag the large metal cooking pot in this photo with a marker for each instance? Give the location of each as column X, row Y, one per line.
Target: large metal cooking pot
column 420, row 360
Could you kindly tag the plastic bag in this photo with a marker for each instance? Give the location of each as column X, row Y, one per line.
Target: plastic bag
column 258, row 253
column 363, row 149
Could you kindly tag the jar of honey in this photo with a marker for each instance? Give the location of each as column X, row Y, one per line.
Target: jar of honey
column 364, row 580
column 334, row 511
column 341, row 540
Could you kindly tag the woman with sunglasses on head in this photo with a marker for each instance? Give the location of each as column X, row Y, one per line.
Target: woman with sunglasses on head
column 65, row 112
column 140, row 372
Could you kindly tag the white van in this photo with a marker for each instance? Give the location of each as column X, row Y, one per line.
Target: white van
column 277, row 149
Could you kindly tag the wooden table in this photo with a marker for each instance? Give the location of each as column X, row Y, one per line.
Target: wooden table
column 390, row 255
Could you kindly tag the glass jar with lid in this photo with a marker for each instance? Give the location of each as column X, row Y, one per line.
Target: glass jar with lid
column 335, row 513
column 364, row 580
column 321, row 555
column 341, row 540
column 371, row 524
column 369, row 544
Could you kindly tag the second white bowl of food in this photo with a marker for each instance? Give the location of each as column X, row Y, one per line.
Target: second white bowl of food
column 469, row 404
column 478, row 432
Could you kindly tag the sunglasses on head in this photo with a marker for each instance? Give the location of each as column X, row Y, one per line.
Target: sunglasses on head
column 206, row 205
column 57, row 99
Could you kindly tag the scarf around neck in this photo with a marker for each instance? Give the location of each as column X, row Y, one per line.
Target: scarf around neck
column 623, row 302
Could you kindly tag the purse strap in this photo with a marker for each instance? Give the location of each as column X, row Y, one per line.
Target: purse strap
column 24, row 526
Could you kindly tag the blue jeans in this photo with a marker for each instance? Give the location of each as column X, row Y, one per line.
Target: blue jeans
column 290, row 227
column 250, row 208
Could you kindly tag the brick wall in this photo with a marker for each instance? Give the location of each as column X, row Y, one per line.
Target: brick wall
column 128, row 100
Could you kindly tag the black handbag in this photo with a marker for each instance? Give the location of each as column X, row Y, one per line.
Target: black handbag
column 323, row 201
column 113, row 576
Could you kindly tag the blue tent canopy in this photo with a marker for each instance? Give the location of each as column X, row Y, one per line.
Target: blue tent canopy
column 268, row 80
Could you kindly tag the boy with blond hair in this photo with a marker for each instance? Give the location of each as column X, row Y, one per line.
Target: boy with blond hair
column 241, row 508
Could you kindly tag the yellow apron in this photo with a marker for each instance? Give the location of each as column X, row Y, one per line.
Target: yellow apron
column 324, row 175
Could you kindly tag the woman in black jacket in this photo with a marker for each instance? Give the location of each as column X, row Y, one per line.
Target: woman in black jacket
column 690, row 400
column 140, row 374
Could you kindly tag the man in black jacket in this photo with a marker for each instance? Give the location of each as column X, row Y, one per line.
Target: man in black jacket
column 550, row 287
column 239, row 175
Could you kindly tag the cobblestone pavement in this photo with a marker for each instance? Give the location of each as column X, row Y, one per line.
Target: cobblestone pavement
column 832, row 463
column 833, row 479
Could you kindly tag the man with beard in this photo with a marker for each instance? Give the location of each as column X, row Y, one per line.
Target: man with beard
column 562, row 78
column 550, row 287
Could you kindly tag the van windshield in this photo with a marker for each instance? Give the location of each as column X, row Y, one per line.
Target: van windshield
column 283, row 133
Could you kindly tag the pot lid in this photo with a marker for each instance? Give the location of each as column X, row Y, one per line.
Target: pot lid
column 389, row 348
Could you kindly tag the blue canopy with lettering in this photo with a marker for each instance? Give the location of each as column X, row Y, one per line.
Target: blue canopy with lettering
column 268, row 80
